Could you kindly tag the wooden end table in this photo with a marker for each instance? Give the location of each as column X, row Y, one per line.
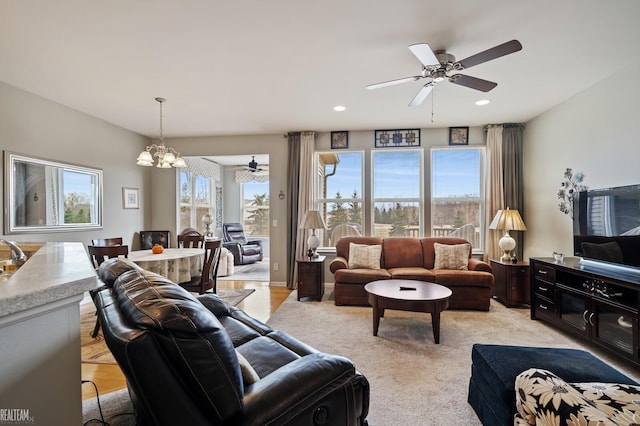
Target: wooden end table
column 511, row 282
column 311, row 277
column 408, row 295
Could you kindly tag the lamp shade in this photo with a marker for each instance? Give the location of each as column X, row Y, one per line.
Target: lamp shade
column 509, row 220
column 313, row 220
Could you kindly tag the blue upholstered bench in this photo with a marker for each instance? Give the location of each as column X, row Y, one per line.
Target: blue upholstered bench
column 495, row 367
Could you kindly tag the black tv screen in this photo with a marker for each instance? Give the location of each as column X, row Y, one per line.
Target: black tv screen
column 606, row 225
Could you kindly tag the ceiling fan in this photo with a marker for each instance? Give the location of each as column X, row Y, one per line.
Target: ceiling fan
column 253, row 165
column 438, row 66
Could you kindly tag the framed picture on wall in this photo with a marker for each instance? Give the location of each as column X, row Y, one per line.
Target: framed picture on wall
column 458, row 136
column 340, row 139
column 130, row 198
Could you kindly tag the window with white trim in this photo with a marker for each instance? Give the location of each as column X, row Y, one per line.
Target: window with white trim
column 397, row 193
column 338, row 193
column 456, row 193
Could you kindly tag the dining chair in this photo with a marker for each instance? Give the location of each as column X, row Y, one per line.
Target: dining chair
column 208, row 279
column 98, row 255
column 101, row 253
column 150, row 238
column 191, row 241
column 116, row 241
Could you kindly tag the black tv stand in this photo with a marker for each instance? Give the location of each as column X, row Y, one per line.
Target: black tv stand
column 597, row 304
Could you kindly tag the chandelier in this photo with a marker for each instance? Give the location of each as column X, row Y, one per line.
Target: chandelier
column 167, row 157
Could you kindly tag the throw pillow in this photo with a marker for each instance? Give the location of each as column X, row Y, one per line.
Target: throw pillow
column 364, row 256
column 249, row 375
column 452, row 256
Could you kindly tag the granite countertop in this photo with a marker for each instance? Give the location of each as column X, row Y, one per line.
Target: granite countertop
column 55, row 272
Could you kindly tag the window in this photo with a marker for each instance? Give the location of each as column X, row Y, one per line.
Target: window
column 339, row 194
column 456, row 193
column 195, row 199
column 255, row 208
column 397, row 189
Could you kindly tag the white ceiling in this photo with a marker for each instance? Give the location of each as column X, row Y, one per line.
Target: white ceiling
column 269, row 67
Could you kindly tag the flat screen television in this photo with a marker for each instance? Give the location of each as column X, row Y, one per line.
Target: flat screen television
column 606, row 227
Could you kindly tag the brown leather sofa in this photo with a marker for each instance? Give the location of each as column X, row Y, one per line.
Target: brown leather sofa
column 411, row 259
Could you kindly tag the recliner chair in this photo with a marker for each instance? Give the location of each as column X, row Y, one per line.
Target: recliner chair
column 195, row 360
column 244, row 251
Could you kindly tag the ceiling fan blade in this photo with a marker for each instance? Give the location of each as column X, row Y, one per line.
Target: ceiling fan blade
column 424, row 54
column 493, row 53
column 422, row 94
column 473, row 82
column 393, row 82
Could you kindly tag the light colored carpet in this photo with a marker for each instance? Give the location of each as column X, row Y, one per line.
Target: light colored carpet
column 258, row 271
column 413, row 380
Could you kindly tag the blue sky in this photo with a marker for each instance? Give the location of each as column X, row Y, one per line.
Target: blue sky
column 77, row 182
column 456, row 173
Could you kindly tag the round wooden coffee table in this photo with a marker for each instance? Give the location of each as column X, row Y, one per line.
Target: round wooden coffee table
column 408, row 295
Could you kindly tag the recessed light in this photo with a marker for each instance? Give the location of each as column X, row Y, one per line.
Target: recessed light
column 339, row 108
column 482, row 102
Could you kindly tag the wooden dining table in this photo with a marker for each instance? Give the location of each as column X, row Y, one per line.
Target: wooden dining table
column 177, row 264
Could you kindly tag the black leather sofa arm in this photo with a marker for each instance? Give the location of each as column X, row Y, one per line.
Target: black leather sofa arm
column 307, row 384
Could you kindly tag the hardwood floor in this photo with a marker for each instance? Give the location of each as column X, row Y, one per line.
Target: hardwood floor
column 264, row 301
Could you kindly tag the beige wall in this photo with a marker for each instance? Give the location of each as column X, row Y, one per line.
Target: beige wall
column 34, row 126
column 594, row 132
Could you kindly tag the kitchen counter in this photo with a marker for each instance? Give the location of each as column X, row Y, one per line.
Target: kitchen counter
column 40, row 334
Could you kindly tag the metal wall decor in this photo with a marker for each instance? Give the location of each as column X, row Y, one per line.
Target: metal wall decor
column 397, row 138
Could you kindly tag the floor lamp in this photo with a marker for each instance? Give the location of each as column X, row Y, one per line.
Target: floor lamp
column 507, row 220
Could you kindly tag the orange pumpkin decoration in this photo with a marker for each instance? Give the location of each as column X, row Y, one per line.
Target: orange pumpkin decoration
column 157, row 249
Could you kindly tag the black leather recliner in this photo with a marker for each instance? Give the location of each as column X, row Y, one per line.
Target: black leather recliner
column 182, row 356
column 244, row 251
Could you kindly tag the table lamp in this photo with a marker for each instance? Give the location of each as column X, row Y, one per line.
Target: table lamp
column 313, row 220
column 509, row 220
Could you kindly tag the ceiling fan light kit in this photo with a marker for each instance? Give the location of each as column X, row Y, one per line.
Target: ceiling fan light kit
column 438, row 66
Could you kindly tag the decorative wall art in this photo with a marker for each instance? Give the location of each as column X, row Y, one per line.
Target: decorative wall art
column 340, row 140
column 458, row 136
column 397, row 138
column 130, row 198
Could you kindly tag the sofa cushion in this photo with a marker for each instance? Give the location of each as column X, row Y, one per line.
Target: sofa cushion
column 361, row 276
column 451, row 256
column 181, row 325
column 364, row 256
column 453, row 278
column 399, row 252
column 412, row 273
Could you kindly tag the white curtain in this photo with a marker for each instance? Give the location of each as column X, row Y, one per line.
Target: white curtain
column 307, row 147
column 494, row 195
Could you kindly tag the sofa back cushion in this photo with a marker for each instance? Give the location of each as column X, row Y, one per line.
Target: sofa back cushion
column 429, row 253
column 401, row 252
column 194, row 344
